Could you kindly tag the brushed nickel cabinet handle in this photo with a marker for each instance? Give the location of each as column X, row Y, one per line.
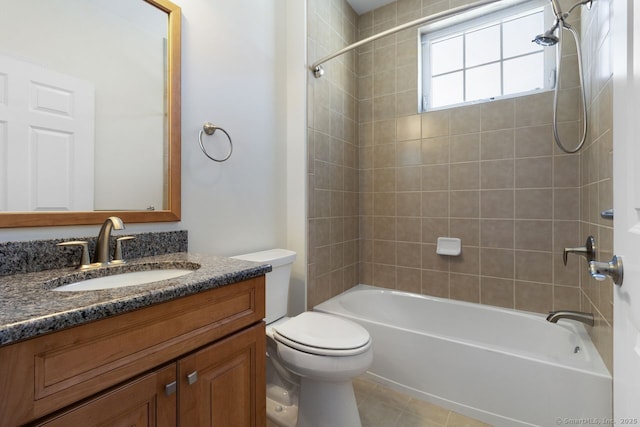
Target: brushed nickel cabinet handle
column 170, row 388
column 192, row 377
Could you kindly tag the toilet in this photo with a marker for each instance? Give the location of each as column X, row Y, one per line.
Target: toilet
column 311, row 358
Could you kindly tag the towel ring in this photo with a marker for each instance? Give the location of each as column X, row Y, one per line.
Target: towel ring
column 210, row 129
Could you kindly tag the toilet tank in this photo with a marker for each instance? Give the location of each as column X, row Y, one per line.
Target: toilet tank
column 277, row 283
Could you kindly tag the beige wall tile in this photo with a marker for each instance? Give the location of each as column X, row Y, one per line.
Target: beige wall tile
column 465, row 176
column 465, row 148
column 409, row 279
column 384, row 131
column 566, row 203
column 497, row 263
column 409, row 229
column 534, row 172
column 497, row 204
column 468, row 262
column 497, row 233
column 435, row 124
column 409, row 254
column 533, row 235
column 534, row 204
column 497, row 115
column 431, row 260
column 465, row 287
column 534, row 266
column 496, row 174
column 435, row 177
column 498, row 292
column 408, row 204
column 464, row 204
column 384, row 204
column 497, row 144
column 435, row 204
column 435, row 283
column 534, row 141
column 465, row 120
column 435, row 150
column 566, row 171
column 408, row 178
column 465, row 229
column 432, row 228
column 408, row 128
column 531, row 296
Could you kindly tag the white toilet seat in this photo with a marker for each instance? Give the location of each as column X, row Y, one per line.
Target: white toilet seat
column 322, row 334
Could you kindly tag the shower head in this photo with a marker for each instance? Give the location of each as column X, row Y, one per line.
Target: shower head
column 546, row 39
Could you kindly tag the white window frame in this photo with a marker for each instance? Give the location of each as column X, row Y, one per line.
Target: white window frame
column 465, row 23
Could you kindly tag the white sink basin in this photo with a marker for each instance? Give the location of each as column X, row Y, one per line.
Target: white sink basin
column 124, row 279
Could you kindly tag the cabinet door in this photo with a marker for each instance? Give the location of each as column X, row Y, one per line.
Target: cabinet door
column 139, row 403
column 224, row 383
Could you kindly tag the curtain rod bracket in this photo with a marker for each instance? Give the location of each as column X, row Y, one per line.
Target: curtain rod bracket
column 318, row 71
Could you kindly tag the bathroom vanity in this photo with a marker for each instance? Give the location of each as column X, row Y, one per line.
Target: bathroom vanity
column 186, row 351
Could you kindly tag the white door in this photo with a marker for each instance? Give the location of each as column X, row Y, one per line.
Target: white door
column 46, row 139
column 626, row 180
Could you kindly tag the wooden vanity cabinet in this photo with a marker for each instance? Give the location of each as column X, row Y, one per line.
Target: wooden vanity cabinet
column 193, row 361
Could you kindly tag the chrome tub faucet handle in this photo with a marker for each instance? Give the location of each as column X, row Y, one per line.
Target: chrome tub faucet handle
column 588, row 250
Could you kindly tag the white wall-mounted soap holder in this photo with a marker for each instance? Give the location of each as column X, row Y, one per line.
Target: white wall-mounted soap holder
column 450, row 246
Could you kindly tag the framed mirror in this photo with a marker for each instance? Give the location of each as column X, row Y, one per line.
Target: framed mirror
column 89, row 111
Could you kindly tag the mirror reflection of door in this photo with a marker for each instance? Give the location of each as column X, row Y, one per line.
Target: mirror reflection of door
column 46, row 139
column 121, row 48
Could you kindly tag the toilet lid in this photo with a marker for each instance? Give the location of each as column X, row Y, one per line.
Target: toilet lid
column 323, row 334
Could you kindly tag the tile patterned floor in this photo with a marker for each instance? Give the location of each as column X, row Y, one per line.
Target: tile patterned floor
column 381, row 406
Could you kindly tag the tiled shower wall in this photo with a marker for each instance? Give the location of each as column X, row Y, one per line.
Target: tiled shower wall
column 332, row 147
column 385, row 182
column 597, row 171
column 487, row 173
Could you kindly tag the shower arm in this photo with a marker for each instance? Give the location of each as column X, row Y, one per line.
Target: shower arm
column 318, row 71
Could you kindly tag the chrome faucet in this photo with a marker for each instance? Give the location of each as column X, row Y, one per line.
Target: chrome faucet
column 102, row 254
column 586, row 318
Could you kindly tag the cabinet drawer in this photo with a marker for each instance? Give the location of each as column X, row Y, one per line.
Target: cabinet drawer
column 141, row 402
column 72, row 364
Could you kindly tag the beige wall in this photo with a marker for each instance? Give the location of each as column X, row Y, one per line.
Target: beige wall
column 489, row 174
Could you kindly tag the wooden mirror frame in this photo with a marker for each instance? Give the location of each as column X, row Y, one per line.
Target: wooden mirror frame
column 172, row 213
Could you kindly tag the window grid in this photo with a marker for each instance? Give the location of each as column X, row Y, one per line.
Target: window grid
column 500, row 23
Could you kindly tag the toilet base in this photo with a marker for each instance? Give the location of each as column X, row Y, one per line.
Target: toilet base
column 327, row 404
column 282, row 415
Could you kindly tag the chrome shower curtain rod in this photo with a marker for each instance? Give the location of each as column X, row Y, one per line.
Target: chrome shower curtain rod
column 318, row 71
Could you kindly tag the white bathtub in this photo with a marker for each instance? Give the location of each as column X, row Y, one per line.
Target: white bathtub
column 503, row 367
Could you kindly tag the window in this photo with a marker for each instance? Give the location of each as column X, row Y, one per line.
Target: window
column 487, row 57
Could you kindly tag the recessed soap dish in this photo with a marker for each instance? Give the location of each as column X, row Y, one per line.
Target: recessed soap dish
column 450, row 246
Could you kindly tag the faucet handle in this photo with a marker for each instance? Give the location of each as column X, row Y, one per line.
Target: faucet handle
column 84, row 261
column 588, row 250
column 613, row 269
column 117, row 256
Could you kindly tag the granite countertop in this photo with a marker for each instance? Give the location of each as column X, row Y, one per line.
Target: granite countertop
column 29, row 308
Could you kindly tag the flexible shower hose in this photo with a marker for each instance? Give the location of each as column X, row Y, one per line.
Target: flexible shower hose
column 557, row 89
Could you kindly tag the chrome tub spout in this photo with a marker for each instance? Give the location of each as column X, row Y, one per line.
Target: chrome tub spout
column 586, row 318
